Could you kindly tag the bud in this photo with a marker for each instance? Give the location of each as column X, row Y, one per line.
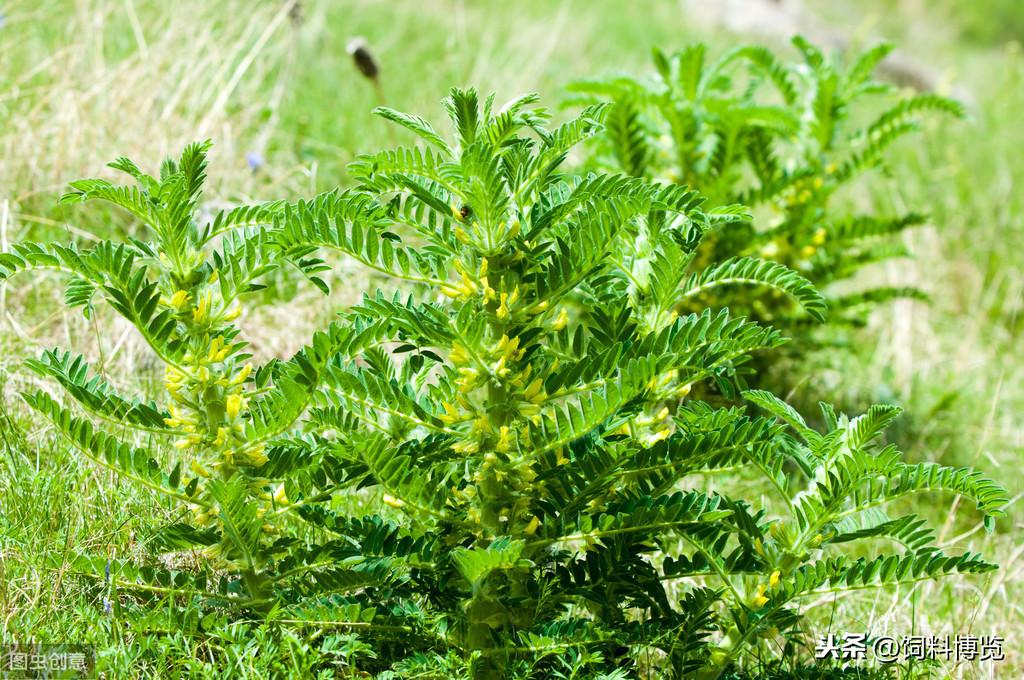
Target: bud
column 359, row 50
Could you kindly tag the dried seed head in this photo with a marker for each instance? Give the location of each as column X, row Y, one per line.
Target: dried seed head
column 364, row 61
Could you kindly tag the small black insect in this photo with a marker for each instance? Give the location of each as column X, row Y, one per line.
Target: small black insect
column 465, row 211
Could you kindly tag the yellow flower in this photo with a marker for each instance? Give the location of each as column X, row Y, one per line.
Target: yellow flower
column 503, row 309
column 483, row 425
column 659, row 381
column 808, row 251
column 819, row 237
column 534, row 392
column 450, row 415
column 773, row 580
column 467, row 379
column 179, row 299
column 202, row 310
column 503, row 439
column 759, row 599
column 233, row 314
column 215, row 348
column 280, row 498
column 488, row 292
column 541, row 306
column 253, row 456
column 653, row 439
column 531, row 528
column 466, row 448
column 522, row 377
column 509, row 348
column 468, row 287
column 500, row 369
column 222, row 436
column 561, row 321
column 531, row 411
column 242, row 375
column 233, row 405
column 459, row 355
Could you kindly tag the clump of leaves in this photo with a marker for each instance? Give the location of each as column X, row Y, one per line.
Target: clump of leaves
column 784, row 139
column 515, row 417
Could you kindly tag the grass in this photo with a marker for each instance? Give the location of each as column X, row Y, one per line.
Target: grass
column 83, row 81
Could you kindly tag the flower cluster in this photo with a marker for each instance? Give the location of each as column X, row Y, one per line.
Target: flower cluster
column 207, row 390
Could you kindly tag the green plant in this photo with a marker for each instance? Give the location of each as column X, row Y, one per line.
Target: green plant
column 785, row 139
column 531, row 425
column 209, row 443
column 514, row 418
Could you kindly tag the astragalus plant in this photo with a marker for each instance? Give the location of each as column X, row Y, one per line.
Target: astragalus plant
column 211, row 439
column 528, row 426
column 512, row 416
column 791, row 140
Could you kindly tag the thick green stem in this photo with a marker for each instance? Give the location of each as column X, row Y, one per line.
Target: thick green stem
column 256, row 584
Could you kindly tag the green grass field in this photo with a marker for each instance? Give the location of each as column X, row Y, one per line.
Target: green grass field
column 85, row 81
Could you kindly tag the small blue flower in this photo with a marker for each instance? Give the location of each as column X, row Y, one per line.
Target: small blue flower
column 254, row 160
column 106, row 573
